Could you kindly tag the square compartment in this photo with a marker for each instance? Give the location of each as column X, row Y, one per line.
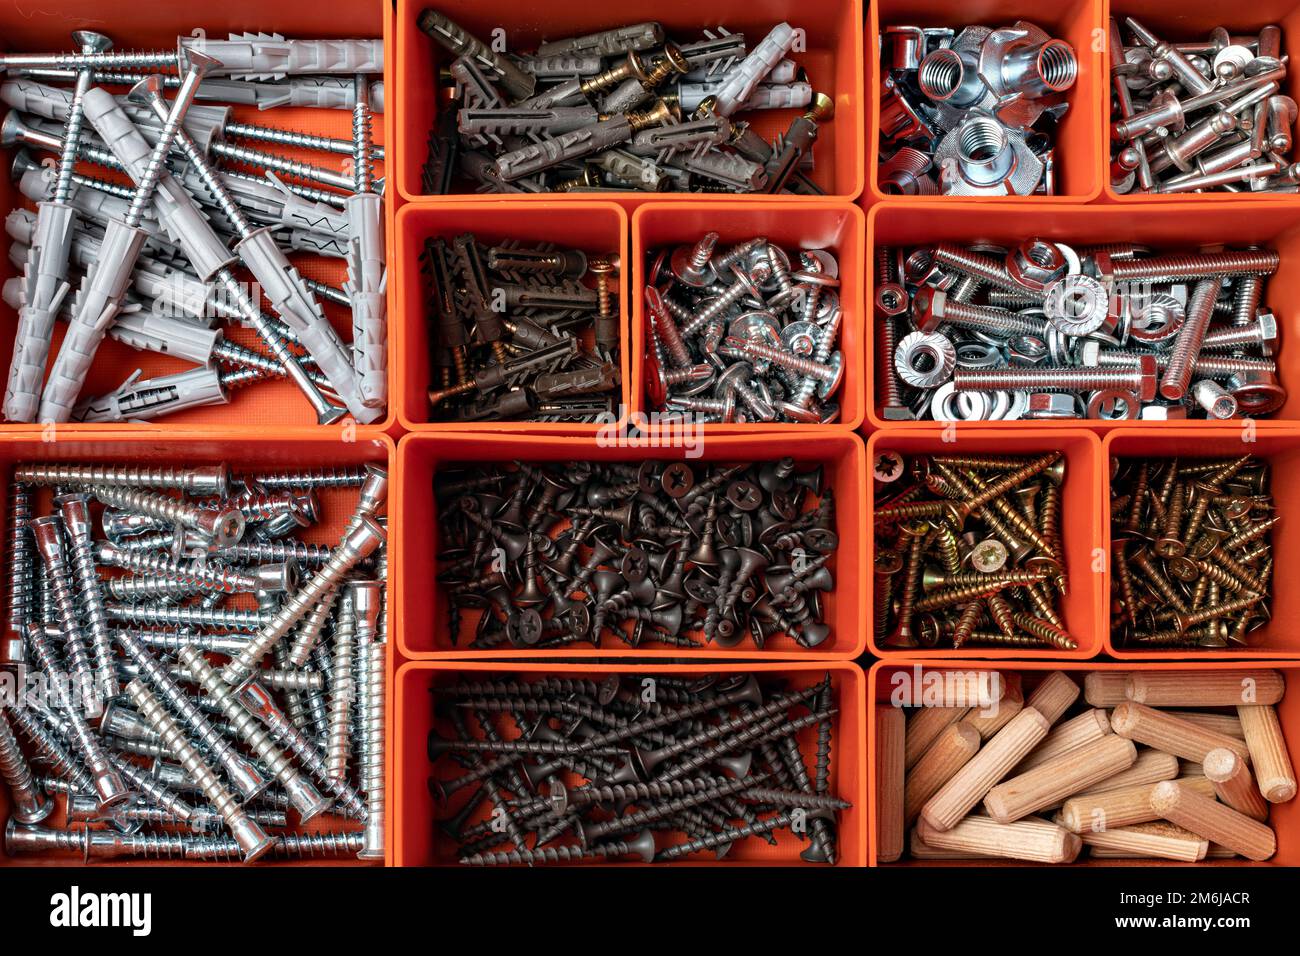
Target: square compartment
column 1283, row 817
column 242, row 453
column 594, row 227
column 273, row 404
column 1280, row 446
column 1083, row 607
column 833, row 63
column 1081, row 158
column 791, row 225
column 1181, row 21
column 418, row 841
column 421, row 602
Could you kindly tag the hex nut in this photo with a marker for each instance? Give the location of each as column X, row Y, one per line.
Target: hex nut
column 1035, row 263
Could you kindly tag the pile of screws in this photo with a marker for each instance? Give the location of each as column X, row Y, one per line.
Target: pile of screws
column 1165, row 765
column 1192, row 551
column 601, row 113
column 1198, row 116
column 580, row 770
column 1045, row 331
column 559, row 554
column 193, row 202
column 507, row 325
column 969, row 551
column 757, row 335
column 971, row 113
column 142, row 733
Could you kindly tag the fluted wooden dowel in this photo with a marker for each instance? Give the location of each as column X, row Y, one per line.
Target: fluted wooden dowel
column 1105, row 688
column 924, row 727
column 983, row 771
column 1272, row 765
column 1033, row 840
column 1157, row 841
column 955, row 746
column 1234, row 784
column 891, row 732
column 1217, row 822
column 1119, row 808
column 1058, row 778
column 987, row 721
column 1173, row 735
column 1226, row 688
column 1054, row 696
column 1066, row 736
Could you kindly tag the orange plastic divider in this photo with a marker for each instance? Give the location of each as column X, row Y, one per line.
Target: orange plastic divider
column 832, row 59
column 46, row 27
column 1182, row 226
column 1083, row 609
column 1280, row 447
column 1181, row 21
column 1081, row 158
column 421, row 602
column 243, row 454
column 791, row 224
column 418, row 841
column 1284, row 818
column 592, row 226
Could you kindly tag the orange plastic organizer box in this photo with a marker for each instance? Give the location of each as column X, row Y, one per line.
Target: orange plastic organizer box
column 888, row 676
column 243, row 454
column 1083, row 608
column 1280, row 448
column 1081, row 159
column 1181, row 227
column 594, row 227
column 1179, row 21
column 419, row 841
column 46, row 26
column 422, row 614
column 790, row 224
column 833, row 61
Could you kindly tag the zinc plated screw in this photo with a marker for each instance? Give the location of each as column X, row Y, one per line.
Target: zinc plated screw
column 358, row 544
column 304, row 797
column 255, row 698
column 224, row 526
column 50, row 749
column 242, row 774
column 47, row 532
column 252, row 839
column 109, row 787
column 30, row 804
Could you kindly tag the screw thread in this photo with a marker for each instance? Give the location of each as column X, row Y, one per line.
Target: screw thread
column 1044, row 379
column 281, row 164
column 1187, row 346
column 50, row 750
column 1187, row 266
column 16, row 773
column 727, row 835
column 176, row 616
column 985, row 268
column 338, row 745
column 20, row 589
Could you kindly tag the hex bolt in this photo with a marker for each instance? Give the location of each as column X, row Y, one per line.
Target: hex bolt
column 1141, row 381
column 1187, row 346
